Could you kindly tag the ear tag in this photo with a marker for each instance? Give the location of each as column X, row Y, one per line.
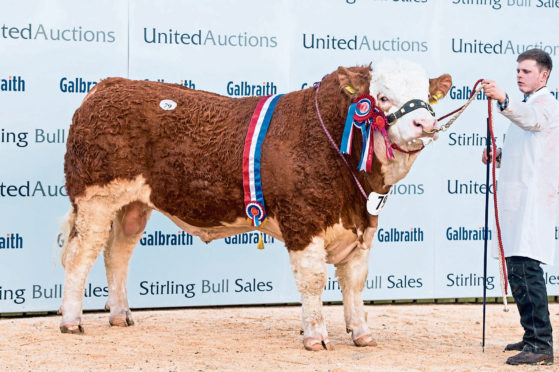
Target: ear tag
column 350, row 89
column 435, row 98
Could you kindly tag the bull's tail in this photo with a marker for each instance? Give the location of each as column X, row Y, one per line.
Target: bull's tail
column 68, row 226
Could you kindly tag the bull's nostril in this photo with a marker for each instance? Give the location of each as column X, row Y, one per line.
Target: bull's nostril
column 417, row 124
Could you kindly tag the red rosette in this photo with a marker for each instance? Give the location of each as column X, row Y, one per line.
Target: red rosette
column 379, row 120
column 364, row 108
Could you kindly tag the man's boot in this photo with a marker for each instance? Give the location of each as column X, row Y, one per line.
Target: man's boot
column 518, row 346
column 528, row 357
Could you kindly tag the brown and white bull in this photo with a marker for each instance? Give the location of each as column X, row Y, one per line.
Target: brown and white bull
column 127, row 156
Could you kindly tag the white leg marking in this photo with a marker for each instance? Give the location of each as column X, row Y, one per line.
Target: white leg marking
column 309, row 269
column 93, row 224
column 95, row 211
column 352, row 276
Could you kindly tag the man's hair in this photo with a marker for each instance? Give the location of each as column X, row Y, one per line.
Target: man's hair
column 543, row 60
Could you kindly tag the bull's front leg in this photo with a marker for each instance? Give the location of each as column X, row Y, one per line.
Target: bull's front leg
column 309, row 269
column 352, row 276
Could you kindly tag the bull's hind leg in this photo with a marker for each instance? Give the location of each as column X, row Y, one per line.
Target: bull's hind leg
column 128, row 226
column 309, row 269
column 89, row 236
column 352, row 276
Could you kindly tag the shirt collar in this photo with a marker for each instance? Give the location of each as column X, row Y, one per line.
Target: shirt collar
column 535, row 94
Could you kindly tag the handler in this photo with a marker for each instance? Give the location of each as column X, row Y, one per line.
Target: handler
column 528, row 185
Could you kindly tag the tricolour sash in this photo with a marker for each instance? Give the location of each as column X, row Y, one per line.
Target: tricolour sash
column 252, row 183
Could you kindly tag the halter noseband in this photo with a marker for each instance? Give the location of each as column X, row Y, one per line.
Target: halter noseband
column 408, row 107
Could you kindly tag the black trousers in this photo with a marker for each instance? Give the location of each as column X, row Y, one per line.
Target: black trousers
column 530, row 294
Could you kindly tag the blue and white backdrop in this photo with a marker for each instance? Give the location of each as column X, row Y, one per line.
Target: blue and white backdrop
column 429, row 239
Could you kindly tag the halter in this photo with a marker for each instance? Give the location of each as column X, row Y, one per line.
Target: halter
column 408, row 107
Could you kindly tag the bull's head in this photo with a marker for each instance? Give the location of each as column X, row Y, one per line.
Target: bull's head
column 403, row 91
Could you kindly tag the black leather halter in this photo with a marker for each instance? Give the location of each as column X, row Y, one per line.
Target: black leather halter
column 408, row 107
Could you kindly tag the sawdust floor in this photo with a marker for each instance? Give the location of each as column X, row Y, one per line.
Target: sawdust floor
column 409, row 337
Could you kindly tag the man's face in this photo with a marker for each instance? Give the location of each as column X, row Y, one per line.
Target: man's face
column 529, row 77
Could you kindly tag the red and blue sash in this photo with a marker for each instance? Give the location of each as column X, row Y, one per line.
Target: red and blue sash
column 252, row 183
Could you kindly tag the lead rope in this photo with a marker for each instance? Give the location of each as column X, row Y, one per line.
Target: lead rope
column 459, row 111
column 502, row 270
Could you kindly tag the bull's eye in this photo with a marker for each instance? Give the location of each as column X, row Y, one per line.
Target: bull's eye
column 384, row 99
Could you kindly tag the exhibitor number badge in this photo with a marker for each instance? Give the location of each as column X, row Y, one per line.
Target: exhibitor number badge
column 375, row 203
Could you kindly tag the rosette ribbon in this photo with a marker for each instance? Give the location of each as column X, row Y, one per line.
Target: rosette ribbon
column 366, row 116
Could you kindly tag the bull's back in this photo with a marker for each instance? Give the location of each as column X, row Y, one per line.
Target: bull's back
column 121, row 131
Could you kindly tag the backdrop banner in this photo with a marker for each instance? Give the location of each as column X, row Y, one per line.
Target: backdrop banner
column 430, row 238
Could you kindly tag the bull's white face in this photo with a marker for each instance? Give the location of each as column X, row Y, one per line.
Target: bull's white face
column 395, row 82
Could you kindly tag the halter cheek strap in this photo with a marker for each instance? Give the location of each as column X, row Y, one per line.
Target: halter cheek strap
column 408, row 107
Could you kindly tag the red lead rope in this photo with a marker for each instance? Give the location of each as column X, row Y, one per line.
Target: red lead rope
column 493, row 165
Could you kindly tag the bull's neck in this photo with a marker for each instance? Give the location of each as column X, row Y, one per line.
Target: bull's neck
column 333, row 106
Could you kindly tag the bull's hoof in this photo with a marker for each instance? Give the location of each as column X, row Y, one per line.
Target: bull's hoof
column 121, row 321
column 315, row 344
column 365, row 340
column 75, row 329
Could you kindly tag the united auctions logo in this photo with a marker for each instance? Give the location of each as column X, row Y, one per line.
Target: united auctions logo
column 362, row 42
column 204, row 38
column 500, row 47
column 41, row 32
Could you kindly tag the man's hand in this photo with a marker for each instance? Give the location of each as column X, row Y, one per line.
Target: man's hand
column 486, row 158
column 493, row 91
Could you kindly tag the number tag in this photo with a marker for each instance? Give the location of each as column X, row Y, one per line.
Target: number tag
column 376, row 202
column 168, row 104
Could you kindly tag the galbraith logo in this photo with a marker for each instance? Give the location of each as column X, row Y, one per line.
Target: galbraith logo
column 31, row 189
column 415, row 234
column 464, row 92
column 185, row 83
column 462, row 233
column 362, row 42
column 11, row 241
column 204, row 38
column 476, row 46
column 76, row 85
column 12, row 84
column 159, row 238
column 244, row 89
column 19, row 139
column 248, row 238
column 41, row 32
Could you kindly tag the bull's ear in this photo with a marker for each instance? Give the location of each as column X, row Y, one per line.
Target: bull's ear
column 439, row 87
column 354, row 83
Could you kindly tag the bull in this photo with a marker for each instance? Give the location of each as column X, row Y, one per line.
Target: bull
column 138, row 146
